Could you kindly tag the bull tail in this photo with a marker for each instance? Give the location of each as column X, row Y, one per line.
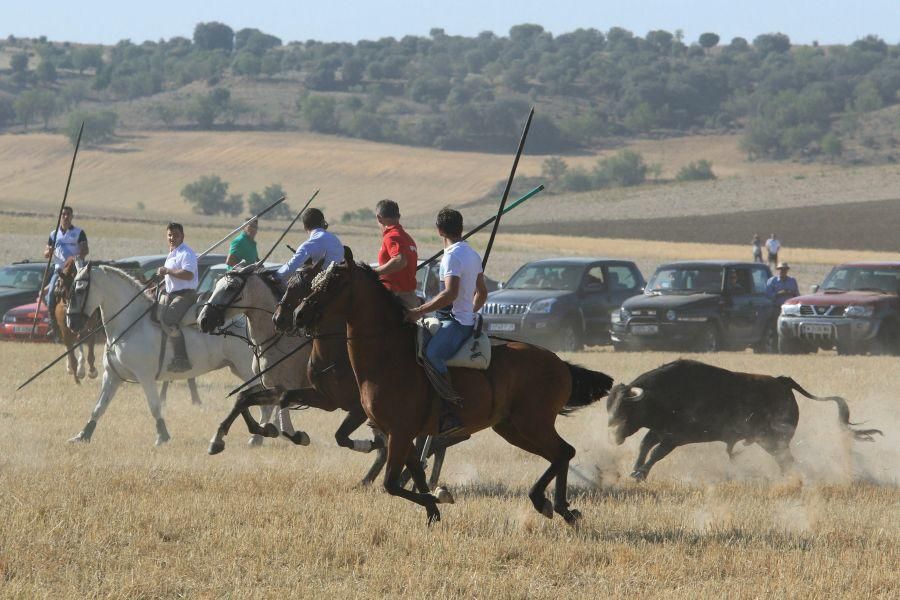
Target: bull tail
column 587, row 387
column 863, row 435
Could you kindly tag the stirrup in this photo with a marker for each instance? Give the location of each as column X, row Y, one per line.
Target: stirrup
column 449, row 425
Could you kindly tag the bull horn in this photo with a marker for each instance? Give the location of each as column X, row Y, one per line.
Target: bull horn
column 634, row 394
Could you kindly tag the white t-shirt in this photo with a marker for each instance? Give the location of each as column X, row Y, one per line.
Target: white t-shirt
column 773, row 245
column 461, row 261
column 181, row 257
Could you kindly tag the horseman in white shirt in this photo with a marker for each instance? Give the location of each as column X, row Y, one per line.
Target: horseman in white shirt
column 180, row 271
column 65, row 242
column 321, row 244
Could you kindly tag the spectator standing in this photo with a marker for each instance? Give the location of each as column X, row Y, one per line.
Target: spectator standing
column 757, row 248
column 243, row 247
column 772, row 248
column 782, row 286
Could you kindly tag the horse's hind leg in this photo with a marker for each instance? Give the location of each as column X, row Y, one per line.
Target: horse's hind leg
column 108, row 387
column 155, row 406
column 380, row 459
column 268, row 429
column 195, row 395
column 92, row 368
column 244, row 400
column 354, row 419
column 399, row 451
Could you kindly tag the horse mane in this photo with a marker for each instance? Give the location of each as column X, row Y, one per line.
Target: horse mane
column 271, row 279
column 394, row 303
column 121, row 275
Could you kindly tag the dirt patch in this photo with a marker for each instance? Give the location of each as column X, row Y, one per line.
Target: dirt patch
column 852, row 225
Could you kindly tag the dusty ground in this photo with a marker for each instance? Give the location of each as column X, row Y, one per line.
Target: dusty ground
column 120, row 518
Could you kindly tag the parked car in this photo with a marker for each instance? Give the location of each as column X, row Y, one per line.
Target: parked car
column 428, row 281
column 856, row 310
column 144, row 267
column 20, row 284
column 563, row 303
column 693, row 305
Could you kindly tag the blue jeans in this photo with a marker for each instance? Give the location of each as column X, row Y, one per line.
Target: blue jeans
column 446, row 342
column 48, row 299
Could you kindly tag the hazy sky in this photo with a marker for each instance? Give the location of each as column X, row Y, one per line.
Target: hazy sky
column 108, row 21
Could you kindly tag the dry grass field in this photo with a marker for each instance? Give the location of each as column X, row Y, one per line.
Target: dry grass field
column 120, row 518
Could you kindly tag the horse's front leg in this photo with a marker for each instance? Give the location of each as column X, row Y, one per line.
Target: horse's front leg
column 92, row 369
column 244, row 400
column 108, row 387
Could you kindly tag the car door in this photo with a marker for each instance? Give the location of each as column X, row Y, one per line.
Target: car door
column 594, row 300
column 738, row 311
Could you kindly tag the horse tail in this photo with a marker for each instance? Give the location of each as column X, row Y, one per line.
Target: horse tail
column 863, row 435
column 587, row 387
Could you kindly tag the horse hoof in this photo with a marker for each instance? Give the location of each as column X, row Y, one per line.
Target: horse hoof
column 638, row 475
column 216, row 447
column 269, row 430
column 80, row 438
column 162, row 439
column 547, row 509
column 93, row 373
column 443, row 495
column 255, row 442
column 300, row 438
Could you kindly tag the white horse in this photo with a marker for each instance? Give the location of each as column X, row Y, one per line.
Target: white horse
column 136, row 353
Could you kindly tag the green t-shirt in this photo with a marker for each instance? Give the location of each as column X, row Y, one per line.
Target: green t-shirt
column 244, row 248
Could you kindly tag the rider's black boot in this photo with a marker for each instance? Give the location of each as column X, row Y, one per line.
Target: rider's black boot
column 180, row 362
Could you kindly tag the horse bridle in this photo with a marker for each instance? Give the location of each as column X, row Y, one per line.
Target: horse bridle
column 74, row 297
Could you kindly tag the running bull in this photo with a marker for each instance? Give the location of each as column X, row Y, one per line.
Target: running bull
column 686, row 402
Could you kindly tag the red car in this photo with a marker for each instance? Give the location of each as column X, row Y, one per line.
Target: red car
column 856, row 310
column 17, row 324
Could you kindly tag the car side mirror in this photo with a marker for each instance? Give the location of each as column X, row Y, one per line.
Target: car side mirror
column 814, row 288
column 500, row 285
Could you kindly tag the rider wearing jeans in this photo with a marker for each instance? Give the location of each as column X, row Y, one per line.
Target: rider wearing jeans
column 463, row 294
column 180, row 294
column 65, row 242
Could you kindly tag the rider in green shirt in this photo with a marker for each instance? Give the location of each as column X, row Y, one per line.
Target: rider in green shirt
column 243, row 247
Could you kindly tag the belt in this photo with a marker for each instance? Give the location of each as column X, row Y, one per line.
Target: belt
column 181, row 292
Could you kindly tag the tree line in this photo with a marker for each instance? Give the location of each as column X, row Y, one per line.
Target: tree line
column 458, row 92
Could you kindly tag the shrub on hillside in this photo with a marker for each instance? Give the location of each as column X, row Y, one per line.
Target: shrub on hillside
column 99, row 127
column 362, row 214
column 626, row 168
column 209, row 196
column 257, row 202
column 700, row 170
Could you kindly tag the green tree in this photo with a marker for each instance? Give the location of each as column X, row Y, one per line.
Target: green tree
column 832, row 145
column 214, row 36
column 7, row 111
column 257, row 202
column 246, row 63
column 46, row 106
column 46, row 71
column 99, row 126
column 553, row 168
column 207, row 109
column 768, row 43
column 320, row 115
column 19, row 62
column 26, row 105
column 626, row 168
column 209, row 196
column 87, row 57
column 708, row 40
column 696, row 171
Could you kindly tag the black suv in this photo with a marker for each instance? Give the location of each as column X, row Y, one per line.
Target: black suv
column 563, row 303
column 704, row 306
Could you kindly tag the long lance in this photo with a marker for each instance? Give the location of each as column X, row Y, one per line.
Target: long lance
column 437, row 255
column 512, row 174
column 151, row 282
column 289, row 227
column 62, row 207
column 269, row 368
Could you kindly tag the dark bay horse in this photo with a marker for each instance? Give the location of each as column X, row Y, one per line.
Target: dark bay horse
column 333, row 383
column 519, row 395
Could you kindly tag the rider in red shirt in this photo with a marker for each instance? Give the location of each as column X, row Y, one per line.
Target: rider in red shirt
column 398, row 257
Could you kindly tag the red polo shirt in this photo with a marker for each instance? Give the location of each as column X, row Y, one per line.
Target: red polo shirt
column 395, row 242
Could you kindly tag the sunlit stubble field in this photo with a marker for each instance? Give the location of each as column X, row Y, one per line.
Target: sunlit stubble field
column 121, row 518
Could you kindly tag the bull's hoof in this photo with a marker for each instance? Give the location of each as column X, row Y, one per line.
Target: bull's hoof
column 270, row 430
column 255, row 442
column 301, row 438
column 443, row 495
column 639, row 475
column 547, row 509
column 570, row 516
column 434, row 515
column 216, row 447
column 80, row 438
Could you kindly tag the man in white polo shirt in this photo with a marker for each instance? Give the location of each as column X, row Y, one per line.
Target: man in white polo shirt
column 463, row 295
column 180, row 273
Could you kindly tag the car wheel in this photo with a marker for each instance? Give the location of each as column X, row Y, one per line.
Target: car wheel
column 709, row 340
column 888, row 341
column 569, row 340
column 846, row 348
column 788, row 345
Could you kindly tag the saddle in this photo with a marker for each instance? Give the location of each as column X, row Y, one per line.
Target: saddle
column 190, row 317
column 475, row 353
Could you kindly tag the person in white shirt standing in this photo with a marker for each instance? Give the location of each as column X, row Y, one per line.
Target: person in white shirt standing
column 464, row 293
column 67, row 241
column 772, row 248
column 180, row 272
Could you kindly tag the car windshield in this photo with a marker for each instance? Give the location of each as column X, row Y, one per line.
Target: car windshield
column 686, row 280
column 19, row 278
column 880, row 279
column 546, row 277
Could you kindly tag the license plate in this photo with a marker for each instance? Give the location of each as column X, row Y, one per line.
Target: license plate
column 645, row 329
column 816, row 329
column 21, row 328
column 502, row 327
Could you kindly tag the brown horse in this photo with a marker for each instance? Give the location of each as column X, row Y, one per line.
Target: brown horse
column 519, row 395
column 333, row 383
column 69, row 337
